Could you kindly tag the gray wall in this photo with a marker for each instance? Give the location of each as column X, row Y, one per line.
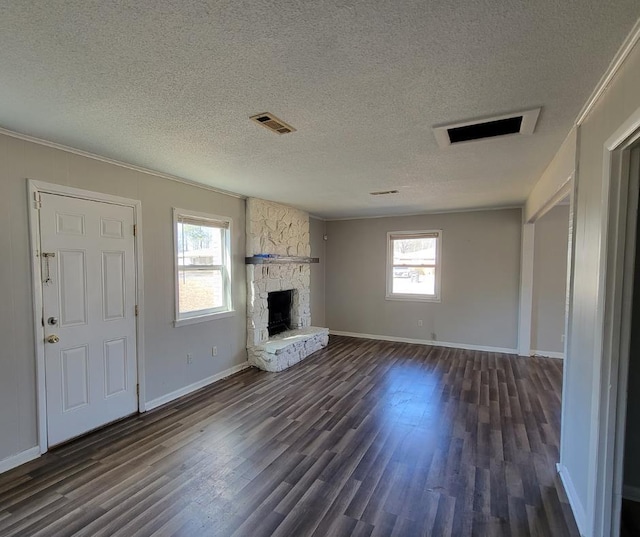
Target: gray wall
column 480, row 279
column 166, row 346
column 550, row 280
column 317, row 230
column 581, row 405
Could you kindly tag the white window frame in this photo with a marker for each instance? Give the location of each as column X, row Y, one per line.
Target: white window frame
column 226, row 310
column 410, row 297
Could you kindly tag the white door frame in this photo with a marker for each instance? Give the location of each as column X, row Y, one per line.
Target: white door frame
column 35, row 188
column 525, row 315
column 613, row 321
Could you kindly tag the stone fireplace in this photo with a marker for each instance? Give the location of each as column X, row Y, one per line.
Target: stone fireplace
column 279, row 233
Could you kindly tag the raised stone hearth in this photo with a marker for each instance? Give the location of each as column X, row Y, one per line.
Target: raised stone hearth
column 288, row 348
column 276, row 229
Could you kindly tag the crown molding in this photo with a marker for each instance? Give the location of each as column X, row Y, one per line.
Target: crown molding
column 623, row 52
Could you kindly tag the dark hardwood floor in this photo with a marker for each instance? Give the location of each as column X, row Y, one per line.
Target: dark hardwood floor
column 365, row 438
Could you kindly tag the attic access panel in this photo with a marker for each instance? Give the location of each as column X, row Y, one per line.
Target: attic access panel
column 482, row 129
column 488, row 129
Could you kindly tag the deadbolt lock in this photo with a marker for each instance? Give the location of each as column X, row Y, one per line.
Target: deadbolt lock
column 53, row 339
column 52, row 321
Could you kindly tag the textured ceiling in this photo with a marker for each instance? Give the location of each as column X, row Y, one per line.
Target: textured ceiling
column 170, row 86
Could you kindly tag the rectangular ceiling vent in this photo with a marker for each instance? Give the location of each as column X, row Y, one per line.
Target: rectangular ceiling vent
column 384, row 192
column 492, row 127
column 271, row 122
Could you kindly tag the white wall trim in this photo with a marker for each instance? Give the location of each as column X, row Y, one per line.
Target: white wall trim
column 631, row 493
column 574, row 501
column 186, row 390
column 554, row 178
column 526, row 289
column 548, row 354
column 140, row 349
column 465, row 346
column 619, row 59
column 19, row 458
column 107, row 160
column 566, row 189
column 569, row 289
column 37, row 301
column 34, row 188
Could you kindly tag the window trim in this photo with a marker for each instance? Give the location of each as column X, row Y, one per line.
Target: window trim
column 407, row 297
column 226, row 310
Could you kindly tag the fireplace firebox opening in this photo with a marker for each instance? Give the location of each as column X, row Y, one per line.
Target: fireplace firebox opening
column 279, row 304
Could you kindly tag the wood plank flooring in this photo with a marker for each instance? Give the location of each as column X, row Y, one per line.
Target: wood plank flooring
column 364, row 438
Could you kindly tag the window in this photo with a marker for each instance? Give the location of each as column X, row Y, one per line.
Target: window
column 202, row 260
column 413, row 265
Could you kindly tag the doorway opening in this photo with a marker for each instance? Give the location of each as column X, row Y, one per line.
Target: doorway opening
column 630, row 389
column 549, row 297
column 615, row 344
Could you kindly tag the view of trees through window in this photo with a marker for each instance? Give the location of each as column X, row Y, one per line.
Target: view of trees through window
column 200, row 267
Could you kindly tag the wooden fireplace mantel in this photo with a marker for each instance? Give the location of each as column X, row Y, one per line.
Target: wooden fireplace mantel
column 280, row 260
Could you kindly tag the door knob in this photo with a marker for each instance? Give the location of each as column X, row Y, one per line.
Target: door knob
column 53, row 338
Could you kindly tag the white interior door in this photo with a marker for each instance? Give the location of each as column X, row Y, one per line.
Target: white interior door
column 88, row 270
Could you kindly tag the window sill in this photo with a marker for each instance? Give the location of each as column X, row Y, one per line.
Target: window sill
column 204, row 318
column 413, row 298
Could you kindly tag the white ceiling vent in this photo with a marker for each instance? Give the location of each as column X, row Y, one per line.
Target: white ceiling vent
column 491, row 127
column 271, row 122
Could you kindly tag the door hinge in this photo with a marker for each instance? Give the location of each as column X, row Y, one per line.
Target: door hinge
column 137, row 310
column 135, row 230
column 138, row 390
column 37, row 200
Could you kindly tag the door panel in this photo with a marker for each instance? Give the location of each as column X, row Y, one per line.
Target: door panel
column 113, row 285
column 89, row 294
column 115, row 366
column 72, row 270
column 70, row 224
column 111, row 228
column 75, row 378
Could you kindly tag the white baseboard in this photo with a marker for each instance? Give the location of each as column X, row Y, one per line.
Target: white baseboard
column 163, row 400
column 631, row 493
column 19, row 458
column 576, row 506
column 426, row 342
column 548, row 354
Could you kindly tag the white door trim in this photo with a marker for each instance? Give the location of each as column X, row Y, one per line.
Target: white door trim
column 35, row 188
column 566, row 189
column 526, row 289
column 613, row 322
column 527, row 249
column 568, row 314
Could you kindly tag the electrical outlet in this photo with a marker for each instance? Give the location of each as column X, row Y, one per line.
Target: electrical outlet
column 420, row 322
column 214, row 351
column 189, row 358
column 433, row 336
